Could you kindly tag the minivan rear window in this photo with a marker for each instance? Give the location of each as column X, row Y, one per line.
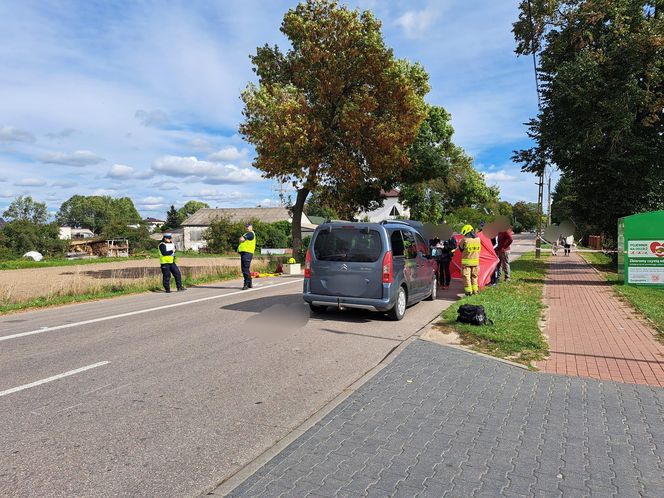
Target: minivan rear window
column 348, row 244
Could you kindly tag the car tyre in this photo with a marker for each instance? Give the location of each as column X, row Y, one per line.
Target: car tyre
column 317, row 309
column 434, row 289
column 398, row 311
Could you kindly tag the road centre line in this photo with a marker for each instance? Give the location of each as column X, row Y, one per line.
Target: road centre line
column 51, row 379
column 138, row 312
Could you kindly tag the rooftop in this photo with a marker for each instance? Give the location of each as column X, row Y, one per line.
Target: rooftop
column 207, row 216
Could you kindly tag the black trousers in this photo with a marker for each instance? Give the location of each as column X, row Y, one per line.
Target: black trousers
column 245, row 263
column 444, row 274
column 166, row 271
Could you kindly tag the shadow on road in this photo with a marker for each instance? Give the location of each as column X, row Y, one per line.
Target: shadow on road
column 261, row 304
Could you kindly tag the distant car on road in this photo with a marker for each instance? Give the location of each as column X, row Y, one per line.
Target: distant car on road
column 382, row 267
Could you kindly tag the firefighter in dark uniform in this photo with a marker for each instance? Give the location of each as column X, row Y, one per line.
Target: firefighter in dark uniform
column 246, row 249
column 167, row 262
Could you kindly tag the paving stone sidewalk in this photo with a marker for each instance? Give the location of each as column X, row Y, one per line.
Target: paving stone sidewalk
column 442, row 422
column 592, row 333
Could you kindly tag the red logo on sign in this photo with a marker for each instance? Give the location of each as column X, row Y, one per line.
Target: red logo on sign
column 657, row 248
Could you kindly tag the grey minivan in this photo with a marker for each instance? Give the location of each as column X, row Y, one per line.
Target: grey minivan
column 381, row 267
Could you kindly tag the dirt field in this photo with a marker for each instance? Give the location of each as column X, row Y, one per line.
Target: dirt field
column 21, row 285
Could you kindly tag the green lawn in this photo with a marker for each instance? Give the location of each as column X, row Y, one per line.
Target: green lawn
column 646, row 300
column 19, row 264
column 515, row 308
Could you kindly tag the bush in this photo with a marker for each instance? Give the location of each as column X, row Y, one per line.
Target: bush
column 21, row 236
column 222, row 235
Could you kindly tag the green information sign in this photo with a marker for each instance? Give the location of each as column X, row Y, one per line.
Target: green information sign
column 641, row 248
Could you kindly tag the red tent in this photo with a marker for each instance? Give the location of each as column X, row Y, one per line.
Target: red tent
column 488, row 260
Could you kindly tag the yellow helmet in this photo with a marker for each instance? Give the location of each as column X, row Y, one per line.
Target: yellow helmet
column 466, row 229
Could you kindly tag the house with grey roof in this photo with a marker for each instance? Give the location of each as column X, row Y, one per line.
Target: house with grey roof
column 194, row 227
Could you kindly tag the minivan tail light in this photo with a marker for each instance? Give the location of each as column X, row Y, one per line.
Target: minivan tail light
column 387, row 268
column 307, row 264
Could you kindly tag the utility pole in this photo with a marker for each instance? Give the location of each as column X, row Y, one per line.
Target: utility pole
column 548, row 217
column 540, row 183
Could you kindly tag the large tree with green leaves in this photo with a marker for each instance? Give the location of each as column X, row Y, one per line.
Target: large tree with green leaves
column 190, row 207
column 431, row 157
column 96, row 212
column 24, row 208
column 601, row 123
column 337, row 112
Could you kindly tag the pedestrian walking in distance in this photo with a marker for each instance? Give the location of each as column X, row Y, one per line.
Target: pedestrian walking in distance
column 470, row 247
column 569, row 242
column 246, row 249
column 167, row 262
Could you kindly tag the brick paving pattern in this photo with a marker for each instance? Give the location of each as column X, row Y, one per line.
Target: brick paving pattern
column 592, row 333
column 439, row 422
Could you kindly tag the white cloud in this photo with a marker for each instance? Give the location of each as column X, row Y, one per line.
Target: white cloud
column 120, row 171
column 200, row 145
column 30, row 182
column 166, row 185
column 269, row 203
column 105, row 191
column 216, row 195
column 208, row 172
column 6, row 194
column 11, row 134
column 156, row 118
column 227, row 154
column 65, row 184
column 501, row 176
column 415, row 23
column 67, row 132
column 152, row 203
column 78, row 159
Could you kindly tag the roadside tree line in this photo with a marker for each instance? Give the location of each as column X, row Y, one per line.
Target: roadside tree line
column 601, row 64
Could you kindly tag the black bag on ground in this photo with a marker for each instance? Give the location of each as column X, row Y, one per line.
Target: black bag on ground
column 473, row 314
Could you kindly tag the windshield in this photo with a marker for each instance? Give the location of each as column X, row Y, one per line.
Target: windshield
column 348, row 244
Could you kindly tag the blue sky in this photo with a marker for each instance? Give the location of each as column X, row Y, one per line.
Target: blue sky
column 141, row 99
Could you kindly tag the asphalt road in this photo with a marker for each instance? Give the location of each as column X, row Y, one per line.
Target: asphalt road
column 167, row 395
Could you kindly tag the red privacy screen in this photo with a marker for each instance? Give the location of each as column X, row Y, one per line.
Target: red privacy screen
column 488, row 260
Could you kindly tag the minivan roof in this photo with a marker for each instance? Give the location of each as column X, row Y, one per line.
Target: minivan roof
column 411, row 223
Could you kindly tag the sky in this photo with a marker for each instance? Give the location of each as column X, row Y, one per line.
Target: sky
column 141, row 99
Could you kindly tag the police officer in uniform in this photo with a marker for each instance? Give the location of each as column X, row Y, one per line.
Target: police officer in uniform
column 167, row 262
column 246, row 249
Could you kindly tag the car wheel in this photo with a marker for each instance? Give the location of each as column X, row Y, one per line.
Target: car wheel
column 434, row 290
column 399, row 309
column 317, row 309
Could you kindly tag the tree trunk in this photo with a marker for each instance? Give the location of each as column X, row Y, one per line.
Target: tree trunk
column 298, row 208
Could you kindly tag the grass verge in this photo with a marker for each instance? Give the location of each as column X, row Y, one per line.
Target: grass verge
column 515, row 308
column 646, row 300
column 80, row 292
column 21, row 264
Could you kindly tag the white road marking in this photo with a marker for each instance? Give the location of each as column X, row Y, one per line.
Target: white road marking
column 51, row 379
column 138, row 312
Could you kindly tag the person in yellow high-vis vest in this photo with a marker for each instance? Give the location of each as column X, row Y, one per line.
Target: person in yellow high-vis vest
column 470, row 247
column 167, row 263
column 246, row 249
